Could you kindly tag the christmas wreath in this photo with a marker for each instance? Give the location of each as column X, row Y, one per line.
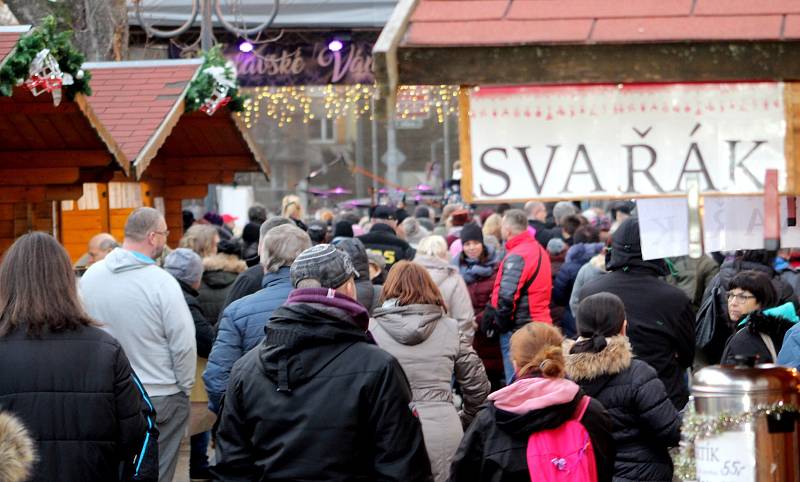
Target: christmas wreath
column 215, row 86
column 44, row 60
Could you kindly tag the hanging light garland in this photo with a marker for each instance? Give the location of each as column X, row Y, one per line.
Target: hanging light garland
column 296, row 103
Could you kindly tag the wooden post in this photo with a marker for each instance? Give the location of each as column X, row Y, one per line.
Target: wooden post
column 465, row 145
column 772, row 224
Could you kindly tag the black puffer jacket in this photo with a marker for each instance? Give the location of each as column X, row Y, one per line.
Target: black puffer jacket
column 660, row 316
column 383, row 240
column 81, row 402
column 646, row 424
column 247, row 283
column 368, row 294
column 748, row 341
column 494, row 447
column 318, row 401
column 724, row 327
column 203, row 330
column 220, row 272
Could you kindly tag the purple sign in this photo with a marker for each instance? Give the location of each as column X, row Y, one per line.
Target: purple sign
column 305, row 59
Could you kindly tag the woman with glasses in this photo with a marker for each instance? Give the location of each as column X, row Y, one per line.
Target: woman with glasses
column 761, row 324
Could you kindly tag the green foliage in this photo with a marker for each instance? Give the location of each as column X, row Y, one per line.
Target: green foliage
column 203, row 85
column 45, row 36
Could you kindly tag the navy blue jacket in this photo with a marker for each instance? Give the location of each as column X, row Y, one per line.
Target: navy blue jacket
column 577, row 256
column 241, row 328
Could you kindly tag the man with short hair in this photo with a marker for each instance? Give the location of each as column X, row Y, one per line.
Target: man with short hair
column 537, row 219
column 317, row 400
column 523, row 286
column 249, row 281
column 382, row 237
column 241, row 326
column 99, row 247
column 143, row 307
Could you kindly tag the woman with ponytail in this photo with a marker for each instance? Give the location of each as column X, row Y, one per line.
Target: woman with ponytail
column 645, row 422
column 526, row 431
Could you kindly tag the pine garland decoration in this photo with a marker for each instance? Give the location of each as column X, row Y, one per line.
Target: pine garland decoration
column 695, row 426
column 202, row 87
column 45, row 36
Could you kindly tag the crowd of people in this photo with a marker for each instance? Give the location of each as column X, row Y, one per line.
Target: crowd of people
column 476, row 345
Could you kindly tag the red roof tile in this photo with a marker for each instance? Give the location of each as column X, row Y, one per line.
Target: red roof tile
column 545, row 9
column 792, row 27
column 8, row 39
column 695, row 28
column 500, row 31
column 746, row 7
column 132, row 101
column 510, row 22
column 444, row 10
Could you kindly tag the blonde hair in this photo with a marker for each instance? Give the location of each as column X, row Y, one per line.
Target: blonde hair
column 434, row 246
column 291, row 208
column 537, row 347
column 200, row 238
column 493, row 226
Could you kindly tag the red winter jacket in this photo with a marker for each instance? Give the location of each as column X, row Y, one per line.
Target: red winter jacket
column 522, row 256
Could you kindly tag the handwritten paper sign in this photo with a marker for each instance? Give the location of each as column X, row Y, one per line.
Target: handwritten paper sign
column 663, row 227
column 731, row 223
column 575, row 142
column 728, row 457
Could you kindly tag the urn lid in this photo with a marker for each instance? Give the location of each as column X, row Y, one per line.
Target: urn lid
column 746, row 377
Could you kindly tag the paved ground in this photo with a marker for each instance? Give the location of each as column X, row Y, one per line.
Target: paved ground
column 182, row 472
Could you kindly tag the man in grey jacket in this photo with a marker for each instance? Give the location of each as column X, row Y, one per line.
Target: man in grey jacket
column 143, row 307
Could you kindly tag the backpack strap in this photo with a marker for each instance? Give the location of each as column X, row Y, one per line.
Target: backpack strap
column 770, row 346
column 580, row 410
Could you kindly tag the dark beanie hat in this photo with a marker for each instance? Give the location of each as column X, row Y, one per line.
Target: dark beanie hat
column 343, row 229
column 471, row 232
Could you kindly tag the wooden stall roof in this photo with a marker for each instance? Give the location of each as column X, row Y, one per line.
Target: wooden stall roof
column 471, row 42
column 8, row 39
column 141, row 105
column 36, row 135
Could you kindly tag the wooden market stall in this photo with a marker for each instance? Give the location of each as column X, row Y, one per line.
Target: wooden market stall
column 47, row 153
column 540, row 42
column 174, row 154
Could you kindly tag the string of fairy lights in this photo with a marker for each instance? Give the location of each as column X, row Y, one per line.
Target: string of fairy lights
column 292, row 104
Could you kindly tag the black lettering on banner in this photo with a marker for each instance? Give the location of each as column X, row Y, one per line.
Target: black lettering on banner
column 646, row 171
column 581, row 152
column 523, row 151
column 740, row 163
column 497, row 172
column 694, row 148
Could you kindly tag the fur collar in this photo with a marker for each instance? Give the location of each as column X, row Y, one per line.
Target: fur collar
column 613, row 359
column 17, row 449
column 224, row 262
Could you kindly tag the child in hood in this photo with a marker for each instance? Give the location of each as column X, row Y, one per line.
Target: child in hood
column 496, row 446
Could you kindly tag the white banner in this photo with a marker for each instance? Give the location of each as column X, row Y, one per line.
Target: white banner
column 737, row 222
column 576, row 142
column 663, row 227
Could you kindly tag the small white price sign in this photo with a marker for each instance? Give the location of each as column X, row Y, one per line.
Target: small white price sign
column 728, row 457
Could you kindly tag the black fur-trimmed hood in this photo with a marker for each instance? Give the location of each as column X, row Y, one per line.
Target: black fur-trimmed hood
column 614, row 358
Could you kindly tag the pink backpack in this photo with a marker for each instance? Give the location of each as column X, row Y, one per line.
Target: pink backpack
column 563, row 453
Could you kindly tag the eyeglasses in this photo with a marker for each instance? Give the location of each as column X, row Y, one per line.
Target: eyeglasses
column 163, row 233
column 740, row 297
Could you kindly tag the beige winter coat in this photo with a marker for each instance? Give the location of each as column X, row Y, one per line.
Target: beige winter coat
column 454, row 290
column 431, row 351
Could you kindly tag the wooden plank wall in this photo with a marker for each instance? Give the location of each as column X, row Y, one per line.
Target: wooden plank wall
column 79, row 225
column 177, row 179
column 792, row 101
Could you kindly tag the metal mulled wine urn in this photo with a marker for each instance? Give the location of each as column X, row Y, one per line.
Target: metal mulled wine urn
column 746, row 423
